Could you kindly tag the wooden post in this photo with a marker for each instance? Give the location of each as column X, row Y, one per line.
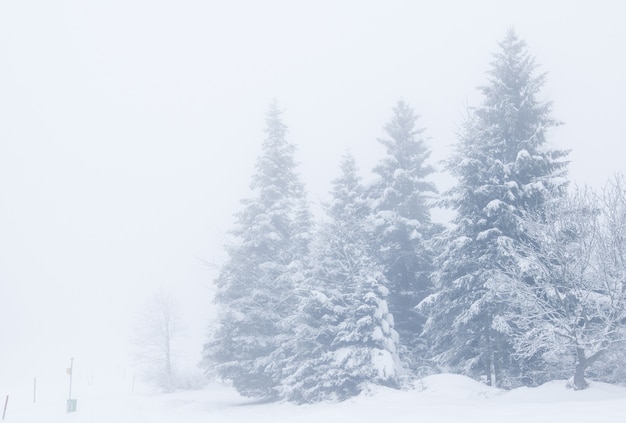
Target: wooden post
column 6, row 402
column 71, row 375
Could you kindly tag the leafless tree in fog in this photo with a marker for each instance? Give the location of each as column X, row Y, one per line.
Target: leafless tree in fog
column 158, row 327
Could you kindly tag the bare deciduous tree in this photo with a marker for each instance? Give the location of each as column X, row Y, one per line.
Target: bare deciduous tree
column 569, row 288
column 159, row 325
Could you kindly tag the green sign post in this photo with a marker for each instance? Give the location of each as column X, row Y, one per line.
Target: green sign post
column 71, row 405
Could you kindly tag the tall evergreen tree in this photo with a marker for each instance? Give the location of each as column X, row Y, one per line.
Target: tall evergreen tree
column 402, row 224
column 504, row 170
column 256, row 286
column 343, row 336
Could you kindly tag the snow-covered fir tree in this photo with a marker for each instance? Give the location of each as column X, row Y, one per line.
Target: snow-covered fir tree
column 504, row 169
column 256, row 285
column 343, row 336
column 400, row 201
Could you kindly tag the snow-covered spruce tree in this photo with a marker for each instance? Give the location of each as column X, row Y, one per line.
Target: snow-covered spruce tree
column 400, row 199
column 504, row 170
column 574, row 310
column 256, row 285
column 343, row 336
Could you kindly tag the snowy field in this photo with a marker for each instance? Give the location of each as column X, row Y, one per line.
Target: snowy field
column 440, row 398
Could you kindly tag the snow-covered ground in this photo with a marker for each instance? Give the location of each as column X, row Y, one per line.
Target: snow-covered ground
column 441, row 398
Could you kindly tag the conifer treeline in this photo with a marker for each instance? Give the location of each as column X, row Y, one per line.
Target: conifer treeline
column 377, row 293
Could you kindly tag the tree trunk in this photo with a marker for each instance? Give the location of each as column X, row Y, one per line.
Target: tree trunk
column 497, row 367
column 579, row 373
column 488, row 355
column 168, row 366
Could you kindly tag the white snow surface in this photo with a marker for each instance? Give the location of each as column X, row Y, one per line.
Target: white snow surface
column 439, row 398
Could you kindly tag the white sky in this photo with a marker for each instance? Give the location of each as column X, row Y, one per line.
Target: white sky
column 129, row 131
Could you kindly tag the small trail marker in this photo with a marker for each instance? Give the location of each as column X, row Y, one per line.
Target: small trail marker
column 4, row 412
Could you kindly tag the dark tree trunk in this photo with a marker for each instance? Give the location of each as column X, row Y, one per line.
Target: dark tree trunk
column 488, row 354
column 579, row 373
column 497, row 362
column 582, row 363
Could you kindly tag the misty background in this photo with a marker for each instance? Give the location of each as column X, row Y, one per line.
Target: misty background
column 129, row 132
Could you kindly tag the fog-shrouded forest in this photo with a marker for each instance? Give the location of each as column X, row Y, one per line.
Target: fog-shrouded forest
column 525, row 285
column 306, row 204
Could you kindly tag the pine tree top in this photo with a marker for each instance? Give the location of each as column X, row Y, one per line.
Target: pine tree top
column 502, row 152
column 406, row 147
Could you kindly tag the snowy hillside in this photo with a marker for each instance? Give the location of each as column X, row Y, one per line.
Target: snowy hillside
column 441, row 398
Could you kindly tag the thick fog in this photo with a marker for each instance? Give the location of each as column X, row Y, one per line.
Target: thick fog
column 129, row 131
